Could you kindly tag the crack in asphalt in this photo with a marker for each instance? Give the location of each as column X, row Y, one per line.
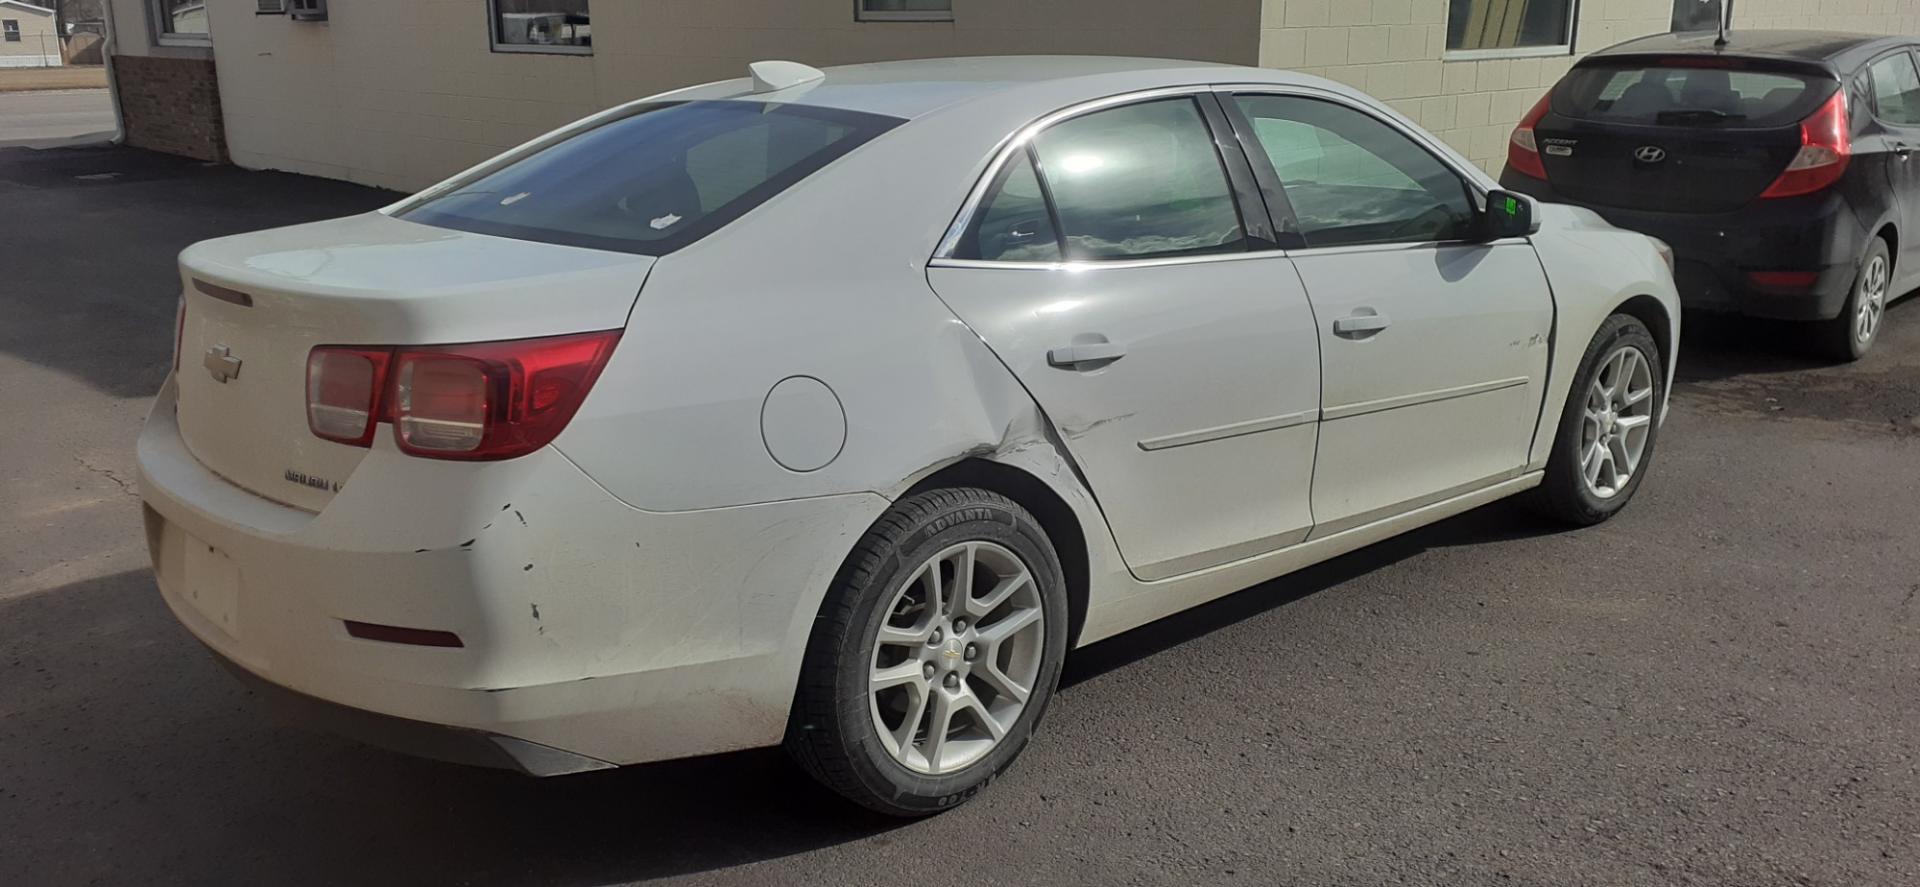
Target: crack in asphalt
column 124, row 485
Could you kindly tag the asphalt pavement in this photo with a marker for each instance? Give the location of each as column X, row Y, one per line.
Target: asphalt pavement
column 53, row 117
column 1719, row 687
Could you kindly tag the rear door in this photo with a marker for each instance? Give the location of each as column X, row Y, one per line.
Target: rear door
column 1682, row 134
column 1433, row 346
column 1174, row 352
column 1894, row 81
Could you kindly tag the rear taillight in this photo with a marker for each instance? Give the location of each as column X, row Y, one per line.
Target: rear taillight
column 344, row 391
column 492, row 400
column 1523, row 149
column 1826, row 148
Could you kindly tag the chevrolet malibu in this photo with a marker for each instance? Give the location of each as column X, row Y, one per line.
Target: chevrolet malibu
column 833, row 408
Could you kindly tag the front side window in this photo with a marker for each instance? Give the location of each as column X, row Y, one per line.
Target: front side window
column 1139, row 181
column 1352, row 179
column 1498, row 27
column 654, row 180
column 904, row 10
column 563, row 26
column 180, row 20
column 1896, row 90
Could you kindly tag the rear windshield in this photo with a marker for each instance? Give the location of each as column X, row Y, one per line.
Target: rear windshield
column 1682, row 95
column 656, row 179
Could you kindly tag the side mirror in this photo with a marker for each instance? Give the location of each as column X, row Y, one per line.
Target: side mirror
column 1508, row 215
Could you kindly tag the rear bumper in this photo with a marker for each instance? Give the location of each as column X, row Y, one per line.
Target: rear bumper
column 592, row 632
column 1714, row 253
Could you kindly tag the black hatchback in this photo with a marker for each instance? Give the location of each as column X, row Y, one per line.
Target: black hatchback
column 1780, row 166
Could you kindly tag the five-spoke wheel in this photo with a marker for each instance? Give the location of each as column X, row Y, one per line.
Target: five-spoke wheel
column 1617, row 421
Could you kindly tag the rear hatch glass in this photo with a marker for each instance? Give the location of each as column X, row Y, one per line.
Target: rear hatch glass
column 1675, row 135
column 655, row 179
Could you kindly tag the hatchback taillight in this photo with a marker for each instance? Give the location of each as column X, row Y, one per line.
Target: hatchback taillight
column 1826, row 147
column 1523, row 148
column 492, row 400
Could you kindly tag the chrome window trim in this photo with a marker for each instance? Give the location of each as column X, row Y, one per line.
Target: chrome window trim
column 1019, row 141
column 1113, row 265
column 1472, row 175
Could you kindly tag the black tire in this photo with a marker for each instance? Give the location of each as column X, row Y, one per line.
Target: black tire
column 831, row 732
column 1564, row 494
column 1837, row 339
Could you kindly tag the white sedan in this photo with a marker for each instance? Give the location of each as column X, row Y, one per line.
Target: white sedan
column 832, row 408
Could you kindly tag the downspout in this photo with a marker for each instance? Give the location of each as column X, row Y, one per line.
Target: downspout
column 113, row 77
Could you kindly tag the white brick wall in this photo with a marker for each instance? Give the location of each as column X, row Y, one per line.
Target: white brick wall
column 1394, row 49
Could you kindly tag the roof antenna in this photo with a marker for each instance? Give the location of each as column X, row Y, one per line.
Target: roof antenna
column 1726, row 12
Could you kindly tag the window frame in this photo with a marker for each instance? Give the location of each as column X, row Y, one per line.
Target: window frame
column 157, row 20
column 1873, row 93
column 862, row 14
column 495, row 45
column 1248, row 201
column 10, row 34
column 1515, row 52
column 1284, row 220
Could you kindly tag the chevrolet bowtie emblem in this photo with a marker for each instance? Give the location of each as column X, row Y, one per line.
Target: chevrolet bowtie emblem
column 221, row 363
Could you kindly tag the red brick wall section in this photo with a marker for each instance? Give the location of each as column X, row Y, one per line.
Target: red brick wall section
column 171, row 105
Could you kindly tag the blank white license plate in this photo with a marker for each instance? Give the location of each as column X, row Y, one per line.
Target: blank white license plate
column 211, row 583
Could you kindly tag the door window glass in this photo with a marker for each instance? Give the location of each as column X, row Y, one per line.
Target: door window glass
column 1352, row 179
column 1013, row 225
column 1139, row 181
column 1896, row 89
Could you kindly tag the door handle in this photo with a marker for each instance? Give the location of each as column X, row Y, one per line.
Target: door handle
column 1078, row 356
column 1902, row 150
column 1357, row 325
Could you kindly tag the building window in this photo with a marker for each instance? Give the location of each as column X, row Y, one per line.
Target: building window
column 903, row 10
column 1696, row 15
column 1499, row 28
column 562, row 26
column 12, row 29
column 180, row 22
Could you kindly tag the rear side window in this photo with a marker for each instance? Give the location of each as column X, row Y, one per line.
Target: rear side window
column 1139, row 181
column 1682, row 95
column 1896, row 89
column 654, row 180
column 1014, row 224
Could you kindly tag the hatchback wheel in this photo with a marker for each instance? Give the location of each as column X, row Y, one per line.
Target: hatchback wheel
column 935, row 655
column 1849, row 336
column 1608, row 427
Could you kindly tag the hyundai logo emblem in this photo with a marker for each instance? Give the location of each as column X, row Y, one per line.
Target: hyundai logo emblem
column 1649, row 153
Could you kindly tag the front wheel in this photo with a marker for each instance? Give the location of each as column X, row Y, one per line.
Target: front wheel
column 1608, row 428
column 935, row 655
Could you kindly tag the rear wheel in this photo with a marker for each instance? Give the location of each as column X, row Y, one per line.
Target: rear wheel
column 1851, row 335
column 935, row 655
column 1608, row 428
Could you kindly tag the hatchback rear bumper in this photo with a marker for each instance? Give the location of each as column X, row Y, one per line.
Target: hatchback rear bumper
column 1715, row 253
column 591, row 632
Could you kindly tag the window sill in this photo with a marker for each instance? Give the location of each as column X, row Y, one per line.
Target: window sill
column 539, row 49
column 185, row 42
column 1517, row 52
column 903, row 17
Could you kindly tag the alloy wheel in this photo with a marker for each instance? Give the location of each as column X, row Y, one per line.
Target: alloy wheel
column 956, row 658
column 1872, row 301
column 1617, row 421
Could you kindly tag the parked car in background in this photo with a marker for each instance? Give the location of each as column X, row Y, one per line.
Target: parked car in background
column 833, row 408
column 1780, row 166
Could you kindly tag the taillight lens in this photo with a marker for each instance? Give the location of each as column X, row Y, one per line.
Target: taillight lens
column 1523, row 149
column 344, row 387
column 486, row 401
column 1826, row 147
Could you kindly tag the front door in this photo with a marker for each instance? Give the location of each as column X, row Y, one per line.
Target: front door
column 1109, row 269
column 1433, row 347
column 1895, row 142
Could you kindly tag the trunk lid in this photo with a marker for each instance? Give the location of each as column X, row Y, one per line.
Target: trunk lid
column 257, row 303
column 1680, row 134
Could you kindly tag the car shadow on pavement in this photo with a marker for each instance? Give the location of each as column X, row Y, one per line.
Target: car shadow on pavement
column 1501, row 521
column 1722, row 346
column 127, row 754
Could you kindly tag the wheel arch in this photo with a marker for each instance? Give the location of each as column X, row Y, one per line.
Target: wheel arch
column 1890, row 233
column 1648, row 310
column 1056, row 517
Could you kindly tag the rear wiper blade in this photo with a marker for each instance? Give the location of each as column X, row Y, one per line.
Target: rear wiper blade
column 1689, row 115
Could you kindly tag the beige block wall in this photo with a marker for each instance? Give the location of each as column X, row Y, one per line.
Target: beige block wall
column 400, row 95
column 1395, row 49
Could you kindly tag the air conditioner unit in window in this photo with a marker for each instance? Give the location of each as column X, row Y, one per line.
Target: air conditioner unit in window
column 271, row 7
column 308, row 10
